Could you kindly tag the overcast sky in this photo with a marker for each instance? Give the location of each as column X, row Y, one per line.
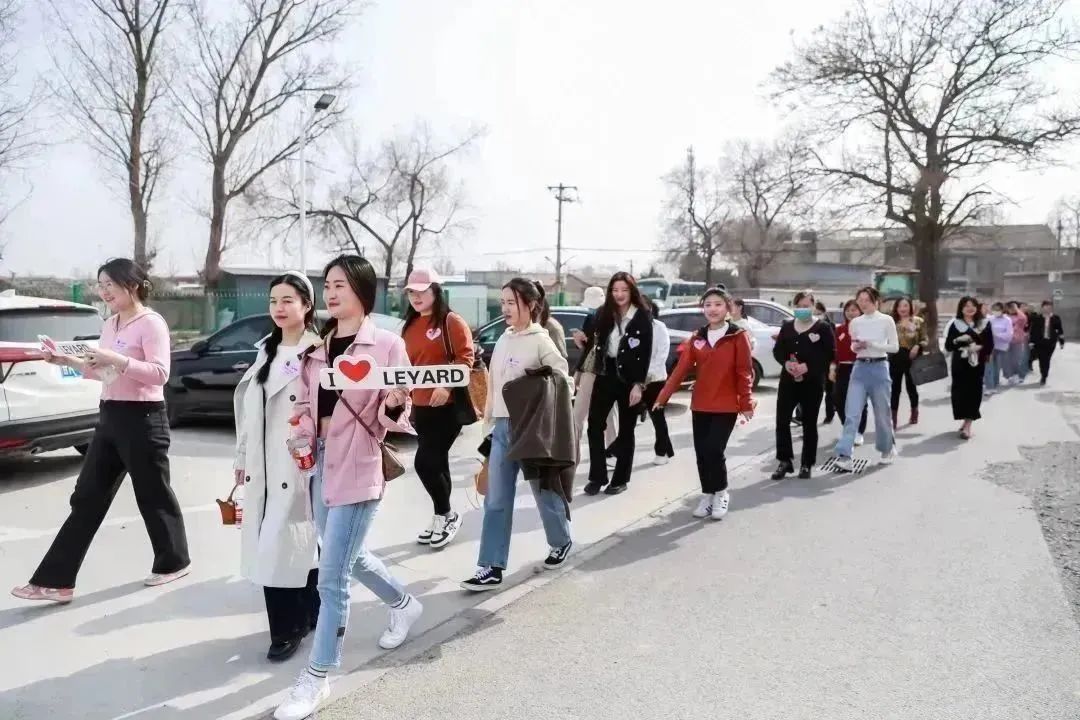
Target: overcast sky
column 602, row 94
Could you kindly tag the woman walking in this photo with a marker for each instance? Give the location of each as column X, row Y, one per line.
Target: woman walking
column 969, row 339
column 623, row 347
column 585, row 372
column 720, row 351
column 999, row 361
column 1018, row 347
column 822, row 313
column 658, row 374
column 873, row 337
column 911, row 334
column 841, row 368
column 132, row 362
column 434, row 335
column 346, row 428
column 278, row 542
column 805, row 349
column 523, row 347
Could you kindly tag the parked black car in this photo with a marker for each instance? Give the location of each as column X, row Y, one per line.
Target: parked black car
column 203, row 379
column 571, row 318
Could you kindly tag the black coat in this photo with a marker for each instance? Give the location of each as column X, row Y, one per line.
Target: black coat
column 1039, row 332
column 635, row 349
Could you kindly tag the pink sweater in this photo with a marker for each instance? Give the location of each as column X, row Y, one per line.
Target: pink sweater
column 144, row 339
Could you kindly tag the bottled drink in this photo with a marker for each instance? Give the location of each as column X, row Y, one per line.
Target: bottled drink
column 301, row 450
column 792, row 361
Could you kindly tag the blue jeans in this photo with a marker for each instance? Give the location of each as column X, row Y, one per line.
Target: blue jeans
column 869, row 380
column 1017, row 363
column 342, row 531
column 997, row 365
column 499, row 504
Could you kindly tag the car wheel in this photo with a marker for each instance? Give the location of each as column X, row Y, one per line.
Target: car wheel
column 758, row 373
column 81, row 449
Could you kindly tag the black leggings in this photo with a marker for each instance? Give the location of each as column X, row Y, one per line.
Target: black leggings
column 711, row 434
column 663, row 446
column 436, row 431
column 131, row 438
column 807, row 396
column 843, row 379
column 900, row 371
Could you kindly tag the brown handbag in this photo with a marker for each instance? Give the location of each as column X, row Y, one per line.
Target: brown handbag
column 392, row 467
column 228, row 508
column 477, row 390
column 481, row 479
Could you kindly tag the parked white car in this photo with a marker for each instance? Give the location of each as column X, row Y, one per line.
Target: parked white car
column 44, row 407
column 765, row 366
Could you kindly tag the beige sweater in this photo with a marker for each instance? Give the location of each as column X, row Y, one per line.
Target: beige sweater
column 515, row 353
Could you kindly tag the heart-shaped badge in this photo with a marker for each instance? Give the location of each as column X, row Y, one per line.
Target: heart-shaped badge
column 434, row 333
column 699, row 344
column 814, row 337
column 354, row 370
column 291, row 368
column 633, row 342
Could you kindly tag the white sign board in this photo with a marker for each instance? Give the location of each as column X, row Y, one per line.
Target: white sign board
column 361, row 372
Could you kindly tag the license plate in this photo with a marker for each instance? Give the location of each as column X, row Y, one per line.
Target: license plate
column 69, row 372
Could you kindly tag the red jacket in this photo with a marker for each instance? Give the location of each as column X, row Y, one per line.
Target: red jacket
column 725, row 372
column 844, row 353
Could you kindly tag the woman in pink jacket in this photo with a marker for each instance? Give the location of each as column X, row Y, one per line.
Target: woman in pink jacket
column 346, row 427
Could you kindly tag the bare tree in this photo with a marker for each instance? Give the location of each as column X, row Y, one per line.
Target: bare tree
column 1065, row 221
column 933, row 92
column 112, row 78
column 17, row 137
column 696, row 213
column 250, row 66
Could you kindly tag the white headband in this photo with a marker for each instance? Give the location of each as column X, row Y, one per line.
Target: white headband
column 304, row 279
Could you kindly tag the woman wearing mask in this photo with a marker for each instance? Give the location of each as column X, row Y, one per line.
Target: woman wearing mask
column 720, row 351
column 969, row 339
column 661, row 342
column 873, row 337
column 435, row 336
column 998, row 363
column 278, row 543
column 804, row 348
column 1017, row 348
column 132, row 362
column 623, row 348
column 346, row 428
column 525, row 346
column 841, row 368
column 911, row 334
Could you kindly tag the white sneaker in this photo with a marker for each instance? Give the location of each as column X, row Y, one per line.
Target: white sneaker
column 401, row 619
column 859, row 440
column 424, row 538
column 888, row 457
column 445, row 529
column 158, row 579
column 845, row 464
column 305, row 697
column 720, row 505
column 704, row 506
column 661, row 460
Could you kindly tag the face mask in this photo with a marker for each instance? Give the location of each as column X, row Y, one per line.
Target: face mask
column 997, row 313
column 803, row 314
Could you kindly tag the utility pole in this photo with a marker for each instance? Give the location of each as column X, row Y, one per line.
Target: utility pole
column 560, row 197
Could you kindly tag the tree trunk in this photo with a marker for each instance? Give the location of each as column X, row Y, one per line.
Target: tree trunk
column 927, row 242
column 708, row 267
column 135, row 178
column 388, row 266
column 138, row 215
column 215, row 248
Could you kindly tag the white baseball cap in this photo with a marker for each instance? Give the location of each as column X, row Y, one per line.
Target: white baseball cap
column 593, row 298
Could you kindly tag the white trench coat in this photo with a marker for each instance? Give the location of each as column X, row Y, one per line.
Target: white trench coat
column 278, row 540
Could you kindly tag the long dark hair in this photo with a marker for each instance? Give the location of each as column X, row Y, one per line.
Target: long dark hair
column 130, row 275
column 528, row 293
column 272, row 342
column 851, row 303
column 977, row 320
column 896, row 308
column 361, row 276
column 439, row 310
column 544, row 308
column 605, row 316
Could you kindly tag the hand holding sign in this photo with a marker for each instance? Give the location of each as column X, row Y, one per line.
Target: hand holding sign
column 362, row 372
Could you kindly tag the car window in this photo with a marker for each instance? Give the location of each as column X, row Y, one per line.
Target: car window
column 768, row 315
column 241, row 335
column 24, row 325
column 569, row 321
column 491, row 334
column 688, row 322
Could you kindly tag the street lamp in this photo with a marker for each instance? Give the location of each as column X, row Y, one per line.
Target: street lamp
column 324, row 102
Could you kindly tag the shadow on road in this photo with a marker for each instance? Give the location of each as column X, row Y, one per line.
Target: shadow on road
column 25, row 473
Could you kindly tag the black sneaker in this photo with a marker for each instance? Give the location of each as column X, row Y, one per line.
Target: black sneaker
column 486, row 578
column 804, row 472
column 615, row 489
column 592, row 488
column 783, row 470
column 557, row 556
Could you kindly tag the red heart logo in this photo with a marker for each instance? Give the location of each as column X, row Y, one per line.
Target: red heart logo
column 355, row 371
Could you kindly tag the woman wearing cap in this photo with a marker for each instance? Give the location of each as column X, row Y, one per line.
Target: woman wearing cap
column 435, row 336
column 585, row 372
column 278, row 541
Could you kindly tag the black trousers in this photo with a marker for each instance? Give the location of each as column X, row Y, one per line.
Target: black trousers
column 900, row 372
column 1044, row 352
column 830, row 400
column 711, row 434
column 843, row 379
column 293, row 612
column 609, row 391
column 806, row 395
column 663, row 447
column 436, row 431
column 132, row 438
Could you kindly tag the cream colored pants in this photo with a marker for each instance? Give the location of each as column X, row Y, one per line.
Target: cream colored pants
column 581, row 410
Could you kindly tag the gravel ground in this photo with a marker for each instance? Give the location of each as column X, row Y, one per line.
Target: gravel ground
column 1048, row 477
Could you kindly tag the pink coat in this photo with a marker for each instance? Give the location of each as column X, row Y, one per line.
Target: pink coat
column 352, row 467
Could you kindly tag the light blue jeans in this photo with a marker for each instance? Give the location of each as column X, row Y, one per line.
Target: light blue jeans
column 869, row 380
column 342, row 530
column 995, row 367
column 499, row 504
